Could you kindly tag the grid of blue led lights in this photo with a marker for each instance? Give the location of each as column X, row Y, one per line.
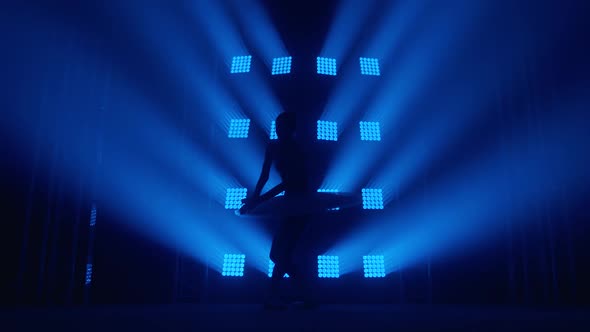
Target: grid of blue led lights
column 370, row 131
column 234, row 197
column 281, row 66
column 370, row 66
column 372, row 199
column 326, row 66
column 233, row 265
column 374, row 266
column 327, row 130
column 241, row 64
column 328, row 267
column 238, row 128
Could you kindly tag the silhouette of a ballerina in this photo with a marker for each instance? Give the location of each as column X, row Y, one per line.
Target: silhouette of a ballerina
column 289, row 159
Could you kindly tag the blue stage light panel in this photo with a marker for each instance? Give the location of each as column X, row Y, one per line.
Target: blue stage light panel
column 271, row 266
column 374, row 266
column 370, row 66
column 328, row 267
column 372, row 199
column 327, row 131
column 234, row 197
column 233, row 265
column 327, row 66
column 238, row 128
column 273, row 130
column 88, row 279
column 370, row 131
column 281, row 65
column 241, row 64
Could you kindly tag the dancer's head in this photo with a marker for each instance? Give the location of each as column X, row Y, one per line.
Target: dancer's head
column 286, row 124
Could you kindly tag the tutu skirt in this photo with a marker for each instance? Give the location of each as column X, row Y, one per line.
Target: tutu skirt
column 303, row 204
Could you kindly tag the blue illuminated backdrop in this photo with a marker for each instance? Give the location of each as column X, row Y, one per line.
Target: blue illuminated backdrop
column 173, row 216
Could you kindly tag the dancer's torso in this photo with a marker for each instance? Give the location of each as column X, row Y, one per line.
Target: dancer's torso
column 290, row 161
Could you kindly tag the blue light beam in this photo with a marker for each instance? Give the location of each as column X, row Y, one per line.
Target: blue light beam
column 346, row 27
column 462, row 208
column 259, row 29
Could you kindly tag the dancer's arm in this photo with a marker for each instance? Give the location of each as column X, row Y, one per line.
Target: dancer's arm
column 250, row 203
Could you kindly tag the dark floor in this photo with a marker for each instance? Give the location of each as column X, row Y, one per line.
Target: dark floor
column 326, row 318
